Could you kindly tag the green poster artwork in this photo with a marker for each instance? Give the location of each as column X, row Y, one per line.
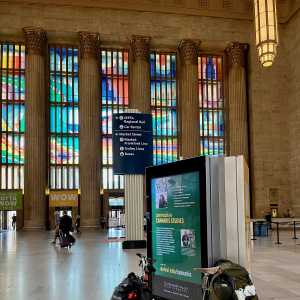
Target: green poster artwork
column 10, row 200
column 176, row 234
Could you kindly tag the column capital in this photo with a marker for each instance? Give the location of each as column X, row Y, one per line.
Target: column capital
column 89, row 44
column 140, row 46
column 35, row 38
column 189, row 51
column 236, row 54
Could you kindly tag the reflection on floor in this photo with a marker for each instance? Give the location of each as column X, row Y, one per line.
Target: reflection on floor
column 117, row 232
column 276, row 268
column 32, row 268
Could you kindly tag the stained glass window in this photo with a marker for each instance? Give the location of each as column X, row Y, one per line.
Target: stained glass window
column 12, row 111
column 211, row 103
column 64, row 118
column 163, row 106
column 114, row 72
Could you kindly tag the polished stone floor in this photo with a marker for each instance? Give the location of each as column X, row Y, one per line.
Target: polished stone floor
column 33, row 269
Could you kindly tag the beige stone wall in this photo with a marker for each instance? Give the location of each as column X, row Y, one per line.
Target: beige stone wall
column 117, row 26
column 292, row 40
column 269, row 137
column 268, row 89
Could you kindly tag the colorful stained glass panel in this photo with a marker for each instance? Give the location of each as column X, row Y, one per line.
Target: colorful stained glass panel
column 163, row 104
column 64, row 118
column 12, row 113
column 114, row 98
column 211, row 105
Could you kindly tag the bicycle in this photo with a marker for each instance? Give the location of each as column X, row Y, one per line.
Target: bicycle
column 147, row 269
column 136, row 287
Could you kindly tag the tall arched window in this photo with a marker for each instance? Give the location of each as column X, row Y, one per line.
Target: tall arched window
column 163, row 106
column 12, row 111
column 211, row 104
column 64, row 118
column 114, row 99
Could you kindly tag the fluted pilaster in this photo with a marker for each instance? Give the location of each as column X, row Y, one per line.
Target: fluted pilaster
column 140, row 74
column 237, row 98
column 36, row 131
column 189, row 99
column 89, row 136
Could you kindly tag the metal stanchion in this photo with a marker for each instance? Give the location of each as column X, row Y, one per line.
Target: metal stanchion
column 295, row 234
column 277, row 230
column 253, row 230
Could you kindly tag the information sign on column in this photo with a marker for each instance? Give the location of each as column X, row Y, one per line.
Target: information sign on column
column 132, row 143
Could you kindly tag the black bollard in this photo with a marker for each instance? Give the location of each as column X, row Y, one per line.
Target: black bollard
column 253, row 227
column 295, row 234
column 277, row 230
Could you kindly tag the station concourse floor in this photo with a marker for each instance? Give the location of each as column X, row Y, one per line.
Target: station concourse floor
column 31, row 268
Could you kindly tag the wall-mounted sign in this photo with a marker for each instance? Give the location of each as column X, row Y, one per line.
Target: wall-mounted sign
column 10, row 200
column 63, row 198
column 132, row 143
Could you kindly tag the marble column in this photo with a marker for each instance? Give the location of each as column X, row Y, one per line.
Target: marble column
column 89, row 134
column 237, row 126
column 140, row 74
column 189, row 99
column 36, row 136
column 140, row 100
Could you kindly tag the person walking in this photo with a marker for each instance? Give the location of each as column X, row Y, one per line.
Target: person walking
column 56, row 221
column 77, row 224
column 14, row 222
column 65, row 225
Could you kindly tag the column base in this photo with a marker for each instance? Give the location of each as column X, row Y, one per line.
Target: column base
column 134, row 244
column 90, row 224
column 34, row 225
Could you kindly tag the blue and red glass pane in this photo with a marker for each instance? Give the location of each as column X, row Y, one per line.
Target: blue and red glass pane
column 64, row 118
column 64, row 150
column 12, row 111
column 211, row 104
column 212, row 123
column 114, row 98
column 64, row 74
column 163, row 103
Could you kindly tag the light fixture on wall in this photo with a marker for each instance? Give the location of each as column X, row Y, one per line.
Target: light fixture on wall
column 266, row 28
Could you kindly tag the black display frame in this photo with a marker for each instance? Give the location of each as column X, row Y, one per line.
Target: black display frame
column 197, row 164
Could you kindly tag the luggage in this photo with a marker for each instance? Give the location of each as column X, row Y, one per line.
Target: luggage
column 66, row 240
column 131, row 288
column 233, row 283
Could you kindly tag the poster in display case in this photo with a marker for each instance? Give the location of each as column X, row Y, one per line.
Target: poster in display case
column 177, row 226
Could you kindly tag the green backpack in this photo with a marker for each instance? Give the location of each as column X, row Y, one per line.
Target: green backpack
column 230, row 283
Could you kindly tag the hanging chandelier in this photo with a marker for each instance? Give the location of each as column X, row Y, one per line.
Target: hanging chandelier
column 266, row 29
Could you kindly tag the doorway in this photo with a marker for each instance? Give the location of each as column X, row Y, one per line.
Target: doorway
column 116, row 212
column 6, row 218
column 61, row 212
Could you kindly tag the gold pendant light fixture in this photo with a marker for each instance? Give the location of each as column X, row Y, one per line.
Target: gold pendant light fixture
column 266, row 29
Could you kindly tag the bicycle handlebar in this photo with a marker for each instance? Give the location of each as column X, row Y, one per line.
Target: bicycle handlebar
column 208, row 271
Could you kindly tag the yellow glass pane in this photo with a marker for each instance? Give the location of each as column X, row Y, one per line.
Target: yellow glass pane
column 257, row 37
column 264, row 48
column 262, row 6
column 262, row 19
column 255, row 8
column 271, row 18
column 263, row 33
column 259, row 51
column 272, row 33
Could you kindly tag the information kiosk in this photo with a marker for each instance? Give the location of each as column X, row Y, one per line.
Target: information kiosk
column 198, row 213
column 177, row 229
